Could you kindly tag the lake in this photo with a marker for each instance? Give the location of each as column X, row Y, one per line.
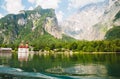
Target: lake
column 61, row 66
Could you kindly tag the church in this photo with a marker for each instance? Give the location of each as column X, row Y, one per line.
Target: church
column 23, row 51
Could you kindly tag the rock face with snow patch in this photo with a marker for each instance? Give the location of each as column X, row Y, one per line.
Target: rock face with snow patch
column 29, row 25
column 22, row 21
column 107, row 20
column 51, row 26
column 92, row 21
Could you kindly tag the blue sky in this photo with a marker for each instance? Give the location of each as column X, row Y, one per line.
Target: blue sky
column 63, row 8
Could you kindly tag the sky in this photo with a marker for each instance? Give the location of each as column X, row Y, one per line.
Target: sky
column 63, row 8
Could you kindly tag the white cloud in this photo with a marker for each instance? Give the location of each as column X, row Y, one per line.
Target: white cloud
column 32, row 1
column 1, row 15
column 81, row 3
column 13, row 6
column 46, row 3
column 30, row 8
column 60, row 16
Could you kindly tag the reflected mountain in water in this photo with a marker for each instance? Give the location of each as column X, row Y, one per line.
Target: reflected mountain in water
column 89, row 69
column 58, row 65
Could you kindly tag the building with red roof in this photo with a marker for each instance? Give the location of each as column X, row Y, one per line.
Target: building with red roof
column 23, row 51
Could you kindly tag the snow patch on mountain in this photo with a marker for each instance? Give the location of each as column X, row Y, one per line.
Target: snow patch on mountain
column 81, row 25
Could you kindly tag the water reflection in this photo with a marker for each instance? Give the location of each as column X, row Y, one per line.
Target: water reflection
column 16, row 72
column 5, row 52
column 77, row 65
column 90, row 69
column 23, row 56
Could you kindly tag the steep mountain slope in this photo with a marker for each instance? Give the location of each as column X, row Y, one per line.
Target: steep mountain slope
column 93, row 21
column 113, row 33
column 29, row 26
column 108, row 20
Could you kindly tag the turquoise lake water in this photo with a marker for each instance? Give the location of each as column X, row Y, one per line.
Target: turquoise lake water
column 61, row 66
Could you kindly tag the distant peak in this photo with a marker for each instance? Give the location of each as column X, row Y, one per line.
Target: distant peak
column 38, row 7
column 22, row 11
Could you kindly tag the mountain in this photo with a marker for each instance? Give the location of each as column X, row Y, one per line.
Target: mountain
column 34, row 26
column 108, row 20
column 113, row 33
column 93, row 21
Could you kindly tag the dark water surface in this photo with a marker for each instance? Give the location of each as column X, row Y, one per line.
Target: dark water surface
column 61, row 66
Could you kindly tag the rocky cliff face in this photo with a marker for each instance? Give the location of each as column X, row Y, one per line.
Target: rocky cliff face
column 93, row 21
column 29, row 24
column 51, row 26
column 107, row 20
